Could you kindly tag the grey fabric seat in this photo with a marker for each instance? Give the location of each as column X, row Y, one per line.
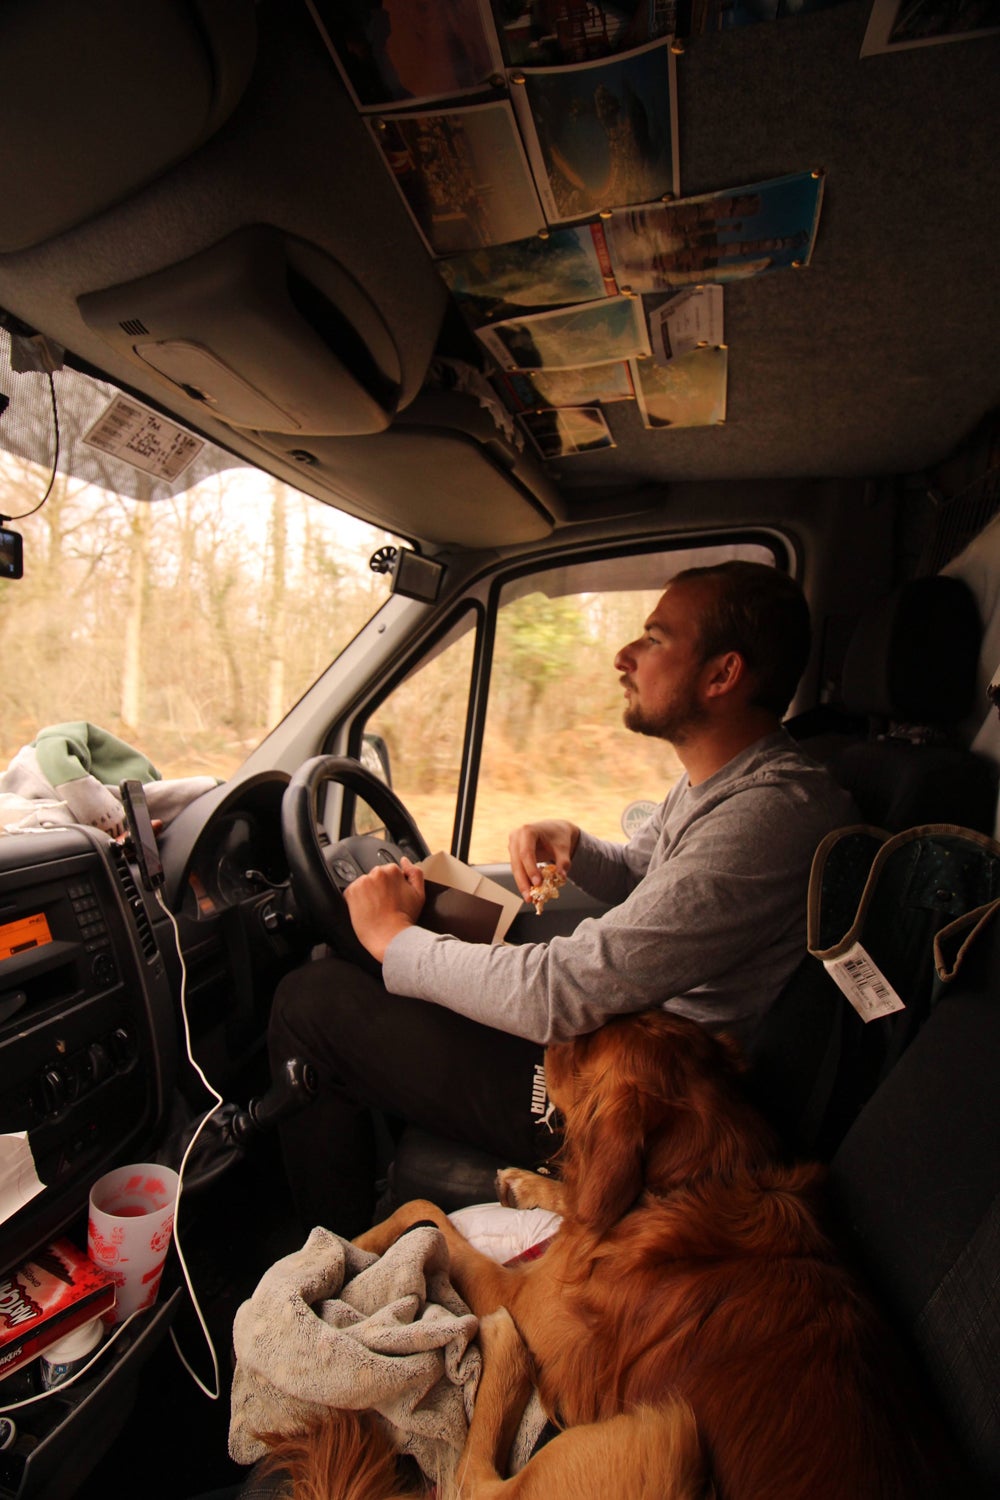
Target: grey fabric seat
column 909, row 682
column 893, row 740
column 916, row 1185
column 815, row 1062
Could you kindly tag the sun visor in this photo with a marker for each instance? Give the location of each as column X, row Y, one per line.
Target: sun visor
column 264, row 331
column 100, row 98
column 487, row 492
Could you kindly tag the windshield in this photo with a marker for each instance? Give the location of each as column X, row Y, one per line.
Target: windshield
column 179, row 600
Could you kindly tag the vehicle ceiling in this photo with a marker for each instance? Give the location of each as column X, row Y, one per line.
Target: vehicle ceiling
column 876, row 358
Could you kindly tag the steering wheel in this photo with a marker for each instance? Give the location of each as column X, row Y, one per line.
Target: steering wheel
column 320, row 871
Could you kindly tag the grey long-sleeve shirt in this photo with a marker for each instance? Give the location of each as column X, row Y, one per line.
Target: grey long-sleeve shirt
column 709, row 917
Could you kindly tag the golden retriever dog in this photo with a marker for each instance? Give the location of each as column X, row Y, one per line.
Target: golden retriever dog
column 690, row 1328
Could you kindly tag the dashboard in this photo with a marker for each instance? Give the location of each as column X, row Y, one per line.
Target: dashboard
column 239, row 855
column 226, row 848
column 92, row 979
column 91, row 983
column 227, row 885
column 88, row 1025
column 92, row 1071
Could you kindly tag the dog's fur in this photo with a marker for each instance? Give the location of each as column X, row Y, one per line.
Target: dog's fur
column 689, row 1326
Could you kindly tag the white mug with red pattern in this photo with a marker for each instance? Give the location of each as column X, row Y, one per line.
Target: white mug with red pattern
column 129, row 1230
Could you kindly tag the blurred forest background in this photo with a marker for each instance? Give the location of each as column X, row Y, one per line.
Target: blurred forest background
column 554, row 744
column 188, row 626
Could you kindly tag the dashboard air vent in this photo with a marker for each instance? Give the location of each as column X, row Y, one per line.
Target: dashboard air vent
column 134, row 902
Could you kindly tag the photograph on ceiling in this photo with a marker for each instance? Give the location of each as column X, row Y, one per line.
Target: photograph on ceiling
column 601, row 135
column 592, row 334
column 767, row 226
column 895, row 25
column 393, row 51
column 462, row 174
column 584, row 385
column 550, row 33
column 690, row 320
column 689, row 392
column 558, row 268
column 558, row 434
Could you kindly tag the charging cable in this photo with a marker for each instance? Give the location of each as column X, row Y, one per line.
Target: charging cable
column 213, row 1395
column 55, row 459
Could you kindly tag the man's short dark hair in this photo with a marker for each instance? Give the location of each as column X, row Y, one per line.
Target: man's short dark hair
column 761, row 613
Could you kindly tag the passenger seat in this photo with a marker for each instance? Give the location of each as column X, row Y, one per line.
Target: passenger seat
column 894, row 738
column 916, row 1184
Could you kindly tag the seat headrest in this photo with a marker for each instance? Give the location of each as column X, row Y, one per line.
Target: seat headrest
column 913, row 656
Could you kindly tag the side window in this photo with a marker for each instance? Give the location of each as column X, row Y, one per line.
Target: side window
column 555, row 744
column 418, row 734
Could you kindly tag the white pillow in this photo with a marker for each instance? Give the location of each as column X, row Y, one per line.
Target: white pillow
column 501, row 1233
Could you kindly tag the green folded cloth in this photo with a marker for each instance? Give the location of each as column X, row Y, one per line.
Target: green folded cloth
column 68, row 752
column 83, row 763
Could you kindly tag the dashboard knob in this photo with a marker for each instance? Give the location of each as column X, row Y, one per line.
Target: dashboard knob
column 54, row 1090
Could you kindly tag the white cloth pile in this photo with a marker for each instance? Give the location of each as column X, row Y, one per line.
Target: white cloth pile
column 70, row 773
column 335, row 1326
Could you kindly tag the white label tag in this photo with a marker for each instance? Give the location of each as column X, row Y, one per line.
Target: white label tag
column 864, row 984
column 691, row 320
column 143, row 439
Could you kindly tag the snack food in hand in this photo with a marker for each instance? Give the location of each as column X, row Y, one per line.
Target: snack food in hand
column 548, row 887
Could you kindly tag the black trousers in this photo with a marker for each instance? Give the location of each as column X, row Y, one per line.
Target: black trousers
column 414, row 1061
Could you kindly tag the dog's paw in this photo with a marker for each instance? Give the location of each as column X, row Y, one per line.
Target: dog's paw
column 517, row 1189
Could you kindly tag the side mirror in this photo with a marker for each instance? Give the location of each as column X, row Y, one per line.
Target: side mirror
column 375, row 757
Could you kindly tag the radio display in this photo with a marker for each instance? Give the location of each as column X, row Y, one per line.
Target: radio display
column 23, row 934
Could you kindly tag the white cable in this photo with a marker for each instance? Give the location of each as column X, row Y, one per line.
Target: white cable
column 212, row 1395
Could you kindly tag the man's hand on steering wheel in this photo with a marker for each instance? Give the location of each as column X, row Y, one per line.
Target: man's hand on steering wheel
column 384, row 903
column 322, row 869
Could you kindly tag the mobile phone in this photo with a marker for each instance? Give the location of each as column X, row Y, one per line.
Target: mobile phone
column 140, row 828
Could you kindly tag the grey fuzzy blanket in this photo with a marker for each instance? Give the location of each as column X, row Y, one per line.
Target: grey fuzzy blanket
column 335, row 1326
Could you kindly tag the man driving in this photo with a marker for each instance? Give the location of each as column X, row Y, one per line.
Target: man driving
column 706, row 912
